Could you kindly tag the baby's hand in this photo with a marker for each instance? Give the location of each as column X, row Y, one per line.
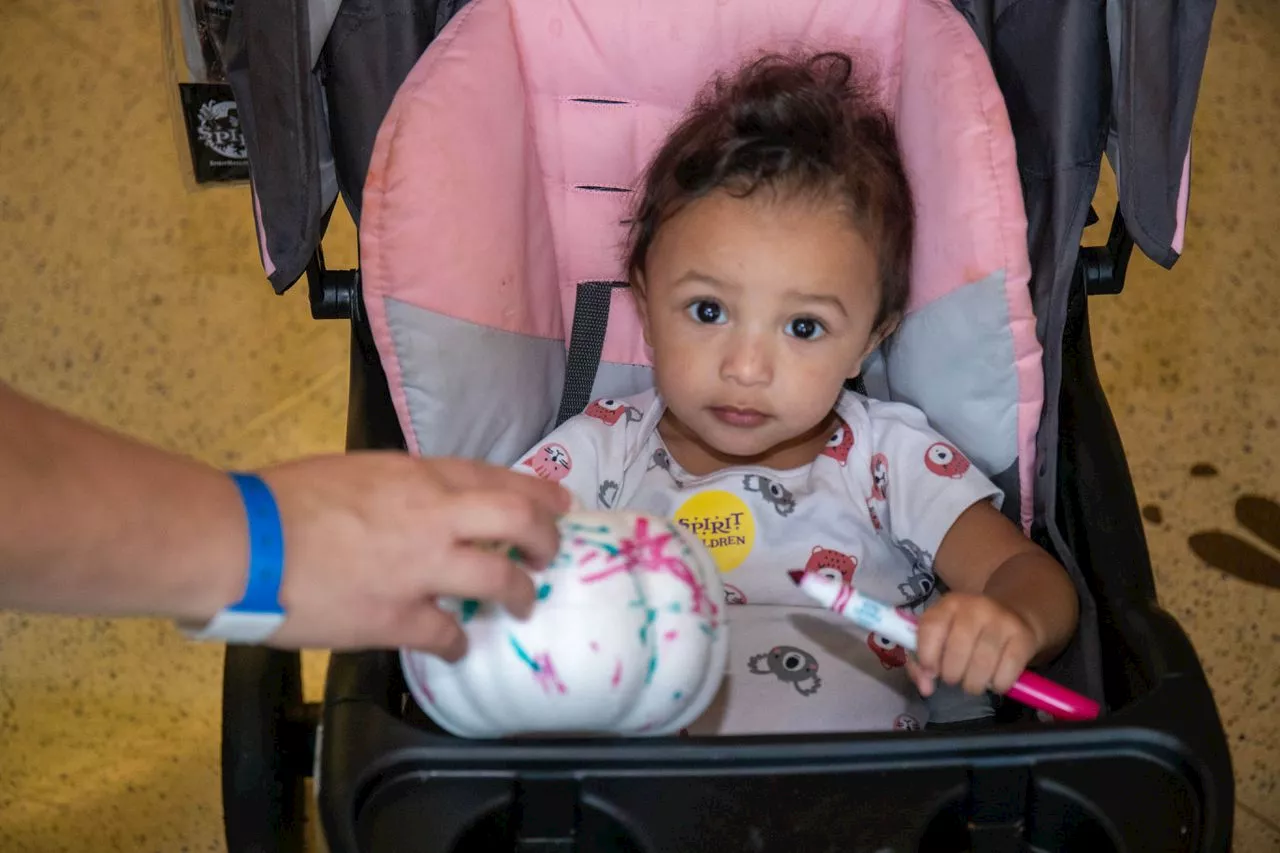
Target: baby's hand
column 974, row 641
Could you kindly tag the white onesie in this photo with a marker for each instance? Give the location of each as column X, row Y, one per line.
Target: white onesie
column 871, row 510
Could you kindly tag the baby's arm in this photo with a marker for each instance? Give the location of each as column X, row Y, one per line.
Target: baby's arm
column 1010, row 605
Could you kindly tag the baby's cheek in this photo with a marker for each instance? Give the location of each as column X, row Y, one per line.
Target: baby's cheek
column 813, row 384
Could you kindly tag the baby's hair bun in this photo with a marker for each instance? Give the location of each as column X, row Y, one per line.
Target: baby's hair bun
column 772, row 98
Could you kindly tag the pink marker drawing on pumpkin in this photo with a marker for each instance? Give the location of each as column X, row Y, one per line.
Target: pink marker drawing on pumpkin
column 617, row 674
column 420, row 669
column 544, row 670
column 645, row 549
column 546, row 676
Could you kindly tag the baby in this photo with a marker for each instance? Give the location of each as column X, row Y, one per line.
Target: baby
column 769, row 256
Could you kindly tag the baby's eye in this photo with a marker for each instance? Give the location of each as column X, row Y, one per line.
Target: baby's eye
column 706, row 311
column 805, row 328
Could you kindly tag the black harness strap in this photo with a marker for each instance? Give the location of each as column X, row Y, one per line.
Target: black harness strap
column 586, row 342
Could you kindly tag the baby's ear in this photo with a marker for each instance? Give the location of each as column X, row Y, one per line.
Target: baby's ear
column 887, row 328
column 878, row 337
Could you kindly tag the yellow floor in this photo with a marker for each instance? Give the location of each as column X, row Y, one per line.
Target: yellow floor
column 129, row 300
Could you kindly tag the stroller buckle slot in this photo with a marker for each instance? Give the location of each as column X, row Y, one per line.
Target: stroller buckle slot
column 997, row 808
column 547, row 814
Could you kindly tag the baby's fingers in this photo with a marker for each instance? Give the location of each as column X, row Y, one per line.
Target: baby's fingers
column 924, row 679
column 1017, row 653
column 987, row 654
column 957, row 651
column 931, row 635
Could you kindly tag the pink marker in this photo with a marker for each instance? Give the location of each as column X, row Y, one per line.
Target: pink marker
column 1030, row 689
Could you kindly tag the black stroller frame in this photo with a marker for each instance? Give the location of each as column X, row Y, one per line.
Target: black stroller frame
column 1153, row 774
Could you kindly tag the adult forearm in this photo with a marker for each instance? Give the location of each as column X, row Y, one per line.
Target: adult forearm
column 91, row 522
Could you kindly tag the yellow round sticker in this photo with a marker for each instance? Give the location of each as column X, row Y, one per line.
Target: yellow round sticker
column 723, row 523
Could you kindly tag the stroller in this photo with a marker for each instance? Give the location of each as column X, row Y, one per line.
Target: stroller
column 513, row 118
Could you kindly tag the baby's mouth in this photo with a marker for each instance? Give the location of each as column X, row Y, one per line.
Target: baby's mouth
column 739, row 417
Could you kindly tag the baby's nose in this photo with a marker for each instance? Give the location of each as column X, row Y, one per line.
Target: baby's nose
column 748, row 362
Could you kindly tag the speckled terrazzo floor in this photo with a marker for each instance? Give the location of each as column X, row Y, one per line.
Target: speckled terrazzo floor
column 128, row 300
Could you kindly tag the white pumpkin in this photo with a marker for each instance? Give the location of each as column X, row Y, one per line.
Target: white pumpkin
column 628, row 637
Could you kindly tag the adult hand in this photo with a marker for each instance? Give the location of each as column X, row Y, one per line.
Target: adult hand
column 371, row 539
column 95, row 523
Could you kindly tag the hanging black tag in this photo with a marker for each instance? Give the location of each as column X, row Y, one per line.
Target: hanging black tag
column 218, row 153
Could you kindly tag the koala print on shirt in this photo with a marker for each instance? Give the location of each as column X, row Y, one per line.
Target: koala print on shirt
column 917, row 588
column 783, row 502
column 607, row 494
column 920, row 558
column 662, row 459
column 789, row 665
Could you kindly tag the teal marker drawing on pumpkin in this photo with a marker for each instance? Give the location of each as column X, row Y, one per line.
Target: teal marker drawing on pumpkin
column 469, row 609
column 609, row 548
column 650, row 614
column 544, row 591
column 522, row 654
column 587, row 528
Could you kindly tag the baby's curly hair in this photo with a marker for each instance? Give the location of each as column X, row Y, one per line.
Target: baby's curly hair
column 802, row 125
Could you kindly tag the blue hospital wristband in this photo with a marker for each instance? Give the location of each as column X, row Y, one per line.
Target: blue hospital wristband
column 259, row 614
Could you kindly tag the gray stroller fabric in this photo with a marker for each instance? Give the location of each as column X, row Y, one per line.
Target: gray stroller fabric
column 269, row 66
column 1054, row 63
column 312, row 82
column 1153, row 109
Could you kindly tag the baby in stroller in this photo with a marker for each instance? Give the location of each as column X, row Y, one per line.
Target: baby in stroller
column 769, row 256
column 491, row 298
